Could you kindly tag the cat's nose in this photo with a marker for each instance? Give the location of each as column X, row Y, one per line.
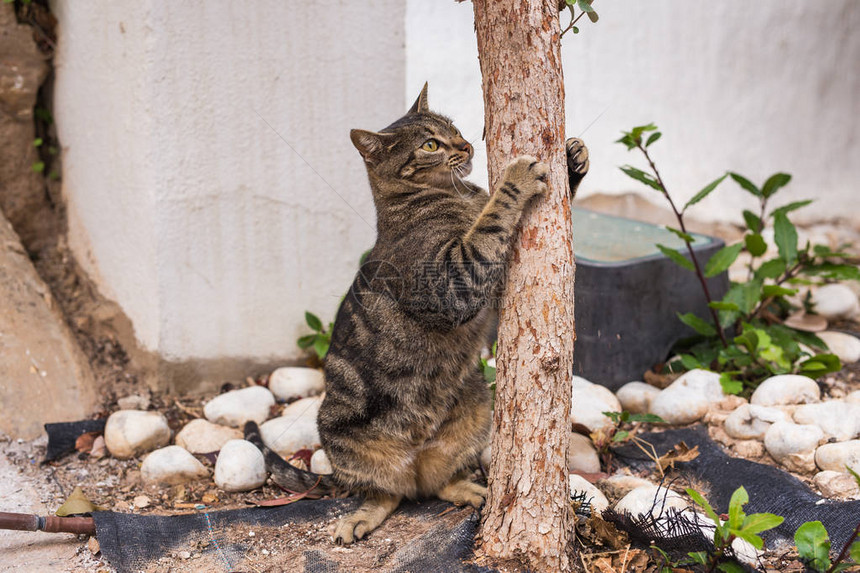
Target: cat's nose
column 465, row 146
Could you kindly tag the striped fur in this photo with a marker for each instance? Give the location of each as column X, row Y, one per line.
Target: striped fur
column 407, row 411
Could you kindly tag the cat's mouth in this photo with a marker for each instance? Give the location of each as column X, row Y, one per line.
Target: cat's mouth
column 462, row 166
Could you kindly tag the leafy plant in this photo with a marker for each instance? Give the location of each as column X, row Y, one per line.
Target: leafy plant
column 739, row 525
column 813, row 546
column 754, row 310
column 320, row 340
column 584, row 8
column 605, row 437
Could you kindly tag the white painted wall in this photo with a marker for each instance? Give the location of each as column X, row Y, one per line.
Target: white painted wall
column 754, row 88
column 213, row 230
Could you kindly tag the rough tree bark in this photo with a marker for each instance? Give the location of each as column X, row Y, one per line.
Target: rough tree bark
column 528, row 514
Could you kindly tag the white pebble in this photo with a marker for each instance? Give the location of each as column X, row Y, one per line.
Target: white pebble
column 793, row 445
column 845, row 346
column 838, row 456
column 786, row 389
column 834, row 301
column 201, row 436
column 579, row 485
column 171, row 465
column 834, row 484
column 650, row 499
column 292, row 382
column 636, row 397
column 320, row 464
column 589, row 402
column 132, row 432
column 751, row 422
column 688, row 398
column 295, row 429
column 837, row 419
column 581, row 455
column 240, row 467
column 236, row 407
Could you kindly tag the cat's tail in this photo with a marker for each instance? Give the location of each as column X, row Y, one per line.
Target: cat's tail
column 287, row 476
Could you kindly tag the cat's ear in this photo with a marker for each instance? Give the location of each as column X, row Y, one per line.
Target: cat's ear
column 368, row 143
column 420, row 105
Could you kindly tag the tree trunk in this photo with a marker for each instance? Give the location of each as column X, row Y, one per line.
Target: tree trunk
column 528, row 515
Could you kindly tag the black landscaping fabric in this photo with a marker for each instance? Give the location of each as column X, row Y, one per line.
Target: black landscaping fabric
column 63, row 435
column 133, row 542
column 770, row 489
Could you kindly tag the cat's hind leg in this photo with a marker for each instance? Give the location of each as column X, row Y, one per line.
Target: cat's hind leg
column 365, row 519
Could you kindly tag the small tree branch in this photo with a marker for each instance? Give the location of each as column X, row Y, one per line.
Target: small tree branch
column 698, row 269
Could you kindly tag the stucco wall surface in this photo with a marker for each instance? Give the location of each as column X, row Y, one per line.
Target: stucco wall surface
column 211, row 184
column 753, row 88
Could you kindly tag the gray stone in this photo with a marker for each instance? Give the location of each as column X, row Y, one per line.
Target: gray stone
column 786, row 389
column 171, row 465
column 236, row 407
column 240, row 467
column 793, row 445
column 581, row 455
column 202, row 436
column 131, row 432
column 291, row 382
column 635, row 397
column 295, row 429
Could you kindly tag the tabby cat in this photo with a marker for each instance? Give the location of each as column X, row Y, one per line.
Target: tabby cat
column 407, row 411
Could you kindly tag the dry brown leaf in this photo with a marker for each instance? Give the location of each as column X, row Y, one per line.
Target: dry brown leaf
column 606, row 533
column 77, row 503
column 681, row 453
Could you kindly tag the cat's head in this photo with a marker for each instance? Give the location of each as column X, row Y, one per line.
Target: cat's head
column 422, row 147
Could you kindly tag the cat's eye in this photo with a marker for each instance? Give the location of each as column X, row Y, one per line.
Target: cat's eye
column 430, row 145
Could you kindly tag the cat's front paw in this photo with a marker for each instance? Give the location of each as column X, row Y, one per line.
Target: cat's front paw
column 527, row 176
column 577, row 160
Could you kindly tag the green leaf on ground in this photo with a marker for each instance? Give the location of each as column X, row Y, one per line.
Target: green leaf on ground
column 313, row 321
column 813, row 545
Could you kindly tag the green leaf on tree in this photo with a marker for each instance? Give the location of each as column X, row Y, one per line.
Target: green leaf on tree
column 701, row 326
column 722, row 259
column 653, row 137
column 755, row 244
column 746, row 184
column 313, row 321
column 676, row 257
column 687, row 237
column 753, row 222
column 785, row 209
column 770, row 269
column 321, row 345
column 722, row 305
column 774, row 183
column 704, row 192
column 642, row 177
column 785, row 236
column 306, row 341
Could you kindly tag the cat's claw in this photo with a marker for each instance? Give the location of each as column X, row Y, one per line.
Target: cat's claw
column 577, row 159
column 527, row 174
